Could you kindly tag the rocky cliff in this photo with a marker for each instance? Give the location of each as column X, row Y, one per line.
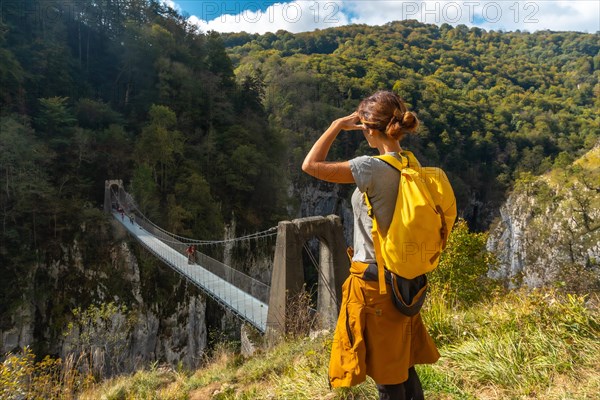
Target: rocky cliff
column 549, row 228
column 158, row 315
column 322, row 198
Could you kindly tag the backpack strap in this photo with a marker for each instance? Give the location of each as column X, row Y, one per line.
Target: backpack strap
column 412, row 167
column 394, row 162
column 377, row 247
column 444, row 230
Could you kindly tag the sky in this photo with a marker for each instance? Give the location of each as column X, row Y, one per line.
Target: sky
column 307, row 15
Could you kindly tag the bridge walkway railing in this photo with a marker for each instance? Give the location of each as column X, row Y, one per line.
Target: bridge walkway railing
column 243, row 295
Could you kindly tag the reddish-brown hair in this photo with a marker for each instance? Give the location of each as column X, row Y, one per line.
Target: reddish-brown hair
column 386, row 112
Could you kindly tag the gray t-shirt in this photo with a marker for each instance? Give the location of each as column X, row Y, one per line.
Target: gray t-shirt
column 380, row 181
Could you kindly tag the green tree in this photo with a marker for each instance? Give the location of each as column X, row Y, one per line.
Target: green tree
column 12, row 76
column 25, row 195
column 202, row 214
column 146, row 191
column 160, row 145
column 96, row 115
column 463, row 268
column 54, row 118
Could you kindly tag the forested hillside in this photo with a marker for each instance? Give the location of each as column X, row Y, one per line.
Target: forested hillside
column 95, row 90
column 493, row 104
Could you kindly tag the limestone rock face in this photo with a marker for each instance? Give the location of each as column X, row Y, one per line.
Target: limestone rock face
column 549, row 228
column 163, row 319
column 20, row 333
column 321, row 198
column 507, row 238
column 184, row 339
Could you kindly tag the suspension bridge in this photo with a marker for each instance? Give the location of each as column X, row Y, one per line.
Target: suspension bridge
column 257, row 303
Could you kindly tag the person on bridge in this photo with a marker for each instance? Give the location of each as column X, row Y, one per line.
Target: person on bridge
column 190, row 253
column 372, row 336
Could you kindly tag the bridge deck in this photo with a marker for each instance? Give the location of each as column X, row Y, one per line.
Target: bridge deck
column 246, row 306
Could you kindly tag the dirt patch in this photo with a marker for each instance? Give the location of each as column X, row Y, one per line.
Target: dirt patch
column 206, row 392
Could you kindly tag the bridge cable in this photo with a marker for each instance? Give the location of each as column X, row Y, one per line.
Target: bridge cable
column 316, row 264
column 257, row 235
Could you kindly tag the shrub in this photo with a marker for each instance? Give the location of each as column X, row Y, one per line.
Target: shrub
column 301, row 317
column 21, row 377
column 461, row 276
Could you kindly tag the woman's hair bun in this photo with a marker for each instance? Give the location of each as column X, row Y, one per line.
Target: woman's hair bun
column 401, row 123
column 410, row 122
column 398, row 113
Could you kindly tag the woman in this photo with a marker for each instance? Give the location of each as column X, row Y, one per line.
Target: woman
column 372, row 337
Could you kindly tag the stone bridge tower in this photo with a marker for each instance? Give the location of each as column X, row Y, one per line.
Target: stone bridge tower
column 113, row 186
column 288, row 273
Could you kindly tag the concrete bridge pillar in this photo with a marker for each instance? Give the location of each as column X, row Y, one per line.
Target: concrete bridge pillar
column 287, row 278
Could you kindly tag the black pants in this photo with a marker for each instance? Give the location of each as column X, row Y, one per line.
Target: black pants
column 409, row 390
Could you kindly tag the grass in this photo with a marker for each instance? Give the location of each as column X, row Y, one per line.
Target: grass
column 541, row 344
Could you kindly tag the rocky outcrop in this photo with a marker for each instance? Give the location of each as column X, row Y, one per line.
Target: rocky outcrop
column 507, row 238
column 159, row 316
column 20, row 331
column 549, row 228
column 321, row 198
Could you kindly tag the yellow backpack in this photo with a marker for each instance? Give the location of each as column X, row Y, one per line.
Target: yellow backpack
column 423, row 217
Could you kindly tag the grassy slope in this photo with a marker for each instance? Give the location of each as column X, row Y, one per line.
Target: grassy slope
column 589, row 163
column 535, row 345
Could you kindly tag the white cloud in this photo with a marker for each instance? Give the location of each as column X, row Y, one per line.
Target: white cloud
column 307, row 15
column 583, row 16
column 297, row 16
column 491, row 15
column 172, row 4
